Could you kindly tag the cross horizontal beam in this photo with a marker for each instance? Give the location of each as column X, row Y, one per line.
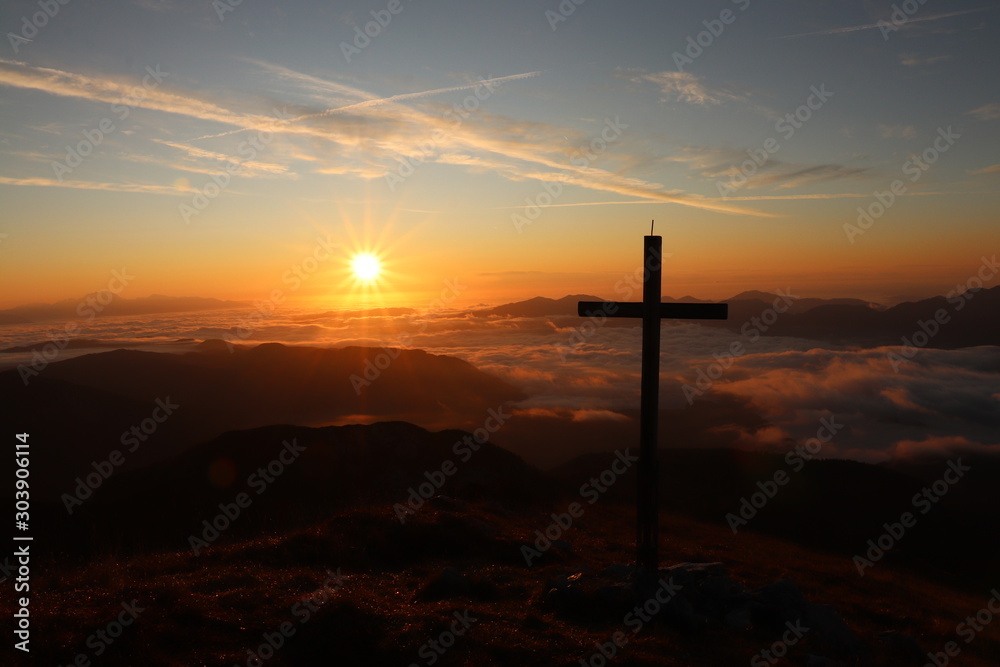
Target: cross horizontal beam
column 668, row 311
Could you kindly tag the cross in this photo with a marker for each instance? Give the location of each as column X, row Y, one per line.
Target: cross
column 651, row 310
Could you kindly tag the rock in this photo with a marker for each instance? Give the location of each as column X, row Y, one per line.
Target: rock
column 776, row 604
column 823, row 620
column 782, row 594
column 680, row 613
column 688, row 573
column 716, row 595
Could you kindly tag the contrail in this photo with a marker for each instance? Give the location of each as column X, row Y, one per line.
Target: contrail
column 870, row 26
column 384, row 100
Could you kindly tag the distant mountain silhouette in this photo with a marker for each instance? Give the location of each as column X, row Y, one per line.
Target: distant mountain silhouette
column 540, row 306
column 76, row 309
column 968, row 321
column 71, row 344
column 971, row 321
column 82, row 406
column 804, row 304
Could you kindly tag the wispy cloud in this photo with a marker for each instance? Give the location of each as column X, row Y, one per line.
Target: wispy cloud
column 912, row 60
column 140, row 188
column 218, row 161
column 685, row 87
column 369, row 136
column 987, row 112
column 793, row 176
column 16, row 74
column 872, row 26
column 834, row 195
column 689, row 88
column 897, row 131
column 992, row 169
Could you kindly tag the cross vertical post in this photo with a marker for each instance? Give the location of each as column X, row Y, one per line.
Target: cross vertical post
column 647, row 507
column 652, row 311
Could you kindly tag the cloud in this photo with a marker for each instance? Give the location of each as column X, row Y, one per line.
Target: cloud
column 834, row 195
column 65, row 84
column 987, row 111
column 941, row 400
column 369, row 135
column 939, row 394
column 218, row 161
column 725, row 165
column 897, row 131
column 785, row 176
column 936, row 446
column 992, row 169
column 685, row 87
column 883, row 23
column 911, row 60
column 138, row 188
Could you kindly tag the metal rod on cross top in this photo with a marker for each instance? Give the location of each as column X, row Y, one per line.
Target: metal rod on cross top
column 651, row 310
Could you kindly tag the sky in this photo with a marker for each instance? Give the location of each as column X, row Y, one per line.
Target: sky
column 231, row 149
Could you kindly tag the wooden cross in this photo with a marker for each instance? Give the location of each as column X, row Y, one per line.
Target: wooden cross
column 651, row 310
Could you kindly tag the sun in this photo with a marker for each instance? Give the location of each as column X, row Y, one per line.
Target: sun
column 366, row 267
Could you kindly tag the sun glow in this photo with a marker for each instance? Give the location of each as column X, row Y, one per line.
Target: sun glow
column 366, row 267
